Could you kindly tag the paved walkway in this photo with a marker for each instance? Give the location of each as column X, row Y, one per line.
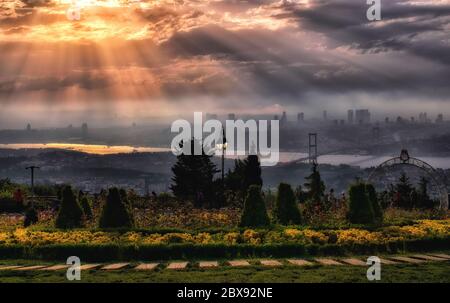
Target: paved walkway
column 386, row 260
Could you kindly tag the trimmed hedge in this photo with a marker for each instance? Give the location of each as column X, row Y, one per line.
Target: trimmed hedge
column 111, row 252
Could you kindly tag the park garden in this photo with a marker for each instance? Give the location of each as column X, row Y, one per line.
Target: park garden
column 233, row 217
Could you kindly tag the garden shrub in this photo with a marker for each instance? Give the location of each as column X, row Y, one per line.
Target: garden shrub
column 31, row 217
column 360, row 208
column 70, row 214
column 373, row 199
column 115, row 213
column 254, row 213
column 286, row 210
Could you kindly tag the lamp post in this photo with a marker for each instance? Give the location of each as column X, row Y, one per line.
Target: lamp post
column 224, row 147
column 32, row 168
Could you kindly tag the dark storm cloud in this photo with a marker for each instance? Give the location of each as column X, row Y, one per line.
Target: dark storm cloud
column 404, row 26
column 294, row 70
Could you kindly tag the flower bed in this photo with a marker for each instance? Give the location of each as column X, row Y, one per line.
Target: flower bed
column 422, row 229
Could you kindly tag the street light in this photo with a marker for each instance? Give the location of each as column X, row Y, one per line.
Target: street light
column 32, row 168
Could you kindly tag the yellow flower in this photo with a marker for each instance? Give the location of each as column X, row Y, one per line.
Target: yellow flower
column 231, row 238
column 252, row 237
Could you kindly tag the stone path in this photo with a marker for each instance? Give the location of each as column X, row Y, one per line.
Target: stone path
column 324, row 261
column 182, row 265
column 115, row 266
column 300, row 262
column 407, row 260
column 89, row 266
column 146, row 266
column 208, row 264
column 444, row 256
column 238, row 263
column 356, row 262
column 177, row 265
column 270, row 263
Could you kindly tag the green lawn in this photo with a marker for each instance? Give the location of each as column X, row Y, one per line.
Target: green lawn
column 427, row 272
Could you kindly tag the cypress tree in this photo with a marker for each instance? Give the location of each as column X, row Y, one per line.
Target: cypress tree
column 373, row 199
column 70, row 214
column 254, row 213
column 286, row 210
column 252, row 172
column 360, row 208
column 114, row 213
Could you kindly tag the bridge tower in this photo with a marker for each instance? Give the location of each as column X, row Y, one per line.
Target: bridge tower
column 312, row 148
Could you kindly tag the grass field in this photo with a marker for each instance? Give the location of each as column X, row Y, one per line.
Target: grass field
column 427, row 272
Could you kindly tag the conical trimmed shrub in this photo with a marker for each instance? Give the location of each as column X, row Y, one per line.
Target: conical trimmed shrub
column 114, row 213
column 255, row 213
column 286, row 210
column 360, row 208
column 70, row 214
column 373, row 199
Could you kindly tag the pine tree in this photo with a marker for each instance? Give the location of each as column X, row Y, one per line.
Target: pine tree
column 254, row 213
column 115, row 213
column 70, row 214
column 315, row 186
column 286, row 210
column 193, row 177
column 360, row 208
column 403, row 190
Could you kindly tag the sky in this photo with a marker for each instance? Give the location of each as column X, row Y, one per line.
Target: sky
column 137, row 60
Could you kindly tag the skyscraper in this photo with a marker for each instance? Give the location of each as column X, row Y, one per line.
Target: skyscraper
column 362, row 116
column 283, row 120
column 350, row 116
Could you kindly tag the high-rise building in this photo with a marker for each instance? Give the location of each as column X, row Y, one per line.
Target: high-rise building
column 231, row 116
column 84, row 130
column 283, row 120
column 362, row 116
column 440, row 118
column 300, row 117
column 325, row 115
column 350, row 116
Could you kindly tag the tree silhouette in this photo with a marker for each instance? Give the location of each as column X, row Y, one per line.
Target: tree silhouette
column 286, row 210
column 115, row 213
column 252, row 172
column 254, row 213
column 193, row 177
column 315, row 186
column 360, row 208
column 403, row 192
column 70, row 214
